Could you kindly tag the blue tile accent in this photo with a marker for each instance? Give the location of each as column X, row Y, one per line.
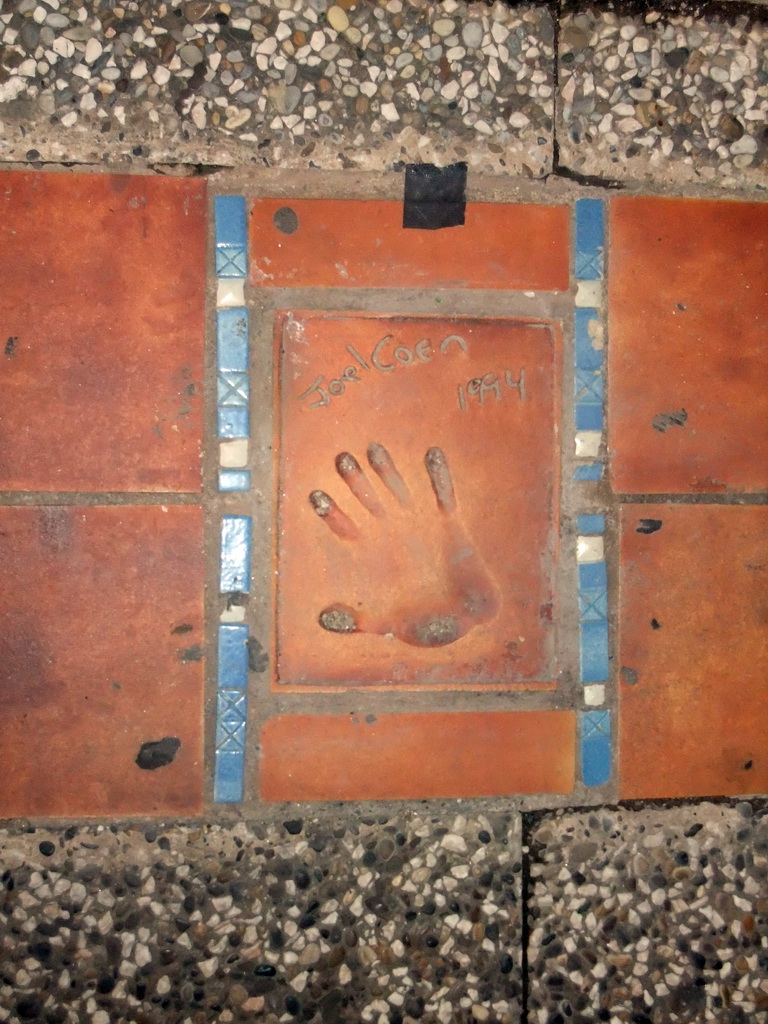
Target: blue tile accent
column 589, row 389
column 231, row 713
column 231, row 236
column 231, row 262
column 229, row 213
column 595, row 747
column 233, row 656
column 235, row 554
column 588, row 394
column 234, row 480
column 590, row 239
column 233, row 384
column 593, row 606
column 592, row 576
column 593, row 648
column 230, row 720
column 588, row 417
column 587, row 356
column 234, row 422
column 591, row 524
column 588, row 471
column 233, row 389
column 229, row 776
column 232, row 340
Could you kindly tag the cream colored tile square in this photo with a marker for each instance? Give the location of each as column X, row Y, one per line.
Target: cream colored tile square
column 589, row 294
column 590, row 549
column 588, row 443
column 594, row 695
column 233, row 454
column 230, row 292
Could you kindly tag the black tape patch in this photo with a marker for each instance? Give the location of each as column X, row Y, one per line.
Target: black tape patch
column 435, row 197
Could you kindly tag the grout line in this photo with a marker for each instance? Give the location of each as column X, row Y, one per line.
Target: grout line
column 756, row 498
column 100, row 498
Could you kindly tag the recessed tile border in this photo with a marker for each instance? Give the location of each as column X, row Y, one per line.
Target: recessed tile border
column 235, row 561
column 595, row 739
column 231, row 712
column 589, row 384
column 232, row 639
column 594, row 652
column 232, row 340
column 231, row 237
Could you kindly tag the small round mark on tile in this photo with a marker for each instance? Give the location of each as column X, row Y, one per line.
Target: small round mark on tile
column 747, row 765
column 655, row 624
column 285, row 220
column 628, row 675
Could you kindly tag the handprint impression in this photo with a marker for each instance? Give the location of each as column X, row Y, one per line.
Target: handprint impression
column 468, row 596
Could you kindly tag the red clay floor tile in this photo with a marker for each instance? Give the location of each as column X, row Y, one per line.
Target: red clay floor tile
column 327, row 243
column 100, row 660
column 694, row 660
column 418, row 474
column 688, row 374
column 102, row 313
column 417, row 756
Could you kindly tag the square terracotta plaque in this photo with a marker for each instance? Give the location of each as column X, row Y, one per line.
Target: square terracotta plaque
column 417, row 501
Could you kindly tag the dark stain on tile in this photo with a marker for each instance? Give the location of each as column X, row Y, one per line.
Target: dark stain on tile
column 10, row 346
column 665, row 420
column 285, row 220
column 185, row 627
column 193, row 653
column 655, row 624
column 158, row 753
column 628, row 675
column 258, row 659
column 649, row 525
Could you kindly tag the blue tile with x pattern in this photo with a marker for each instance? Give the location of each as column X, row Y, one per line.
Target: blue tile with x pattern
column 590, row 240
column 595, row 728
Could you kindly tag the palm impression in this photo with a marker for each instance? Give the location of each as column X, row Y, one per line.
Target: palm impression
column 418, row 611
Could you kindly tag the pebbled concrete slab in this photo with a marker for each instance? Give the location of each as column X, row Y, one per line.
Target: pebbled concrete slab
column 667, row 98
column 295, row 83
column 390, row 917
column 653, row 915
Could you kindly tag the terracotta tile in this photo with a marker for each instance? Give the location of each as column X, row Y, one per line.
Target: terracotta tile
column 688, row 377
column 417, row 756
column 362, row 244
column 694, row 609
column 100, row 632
column 400, row 584
column 102, row 312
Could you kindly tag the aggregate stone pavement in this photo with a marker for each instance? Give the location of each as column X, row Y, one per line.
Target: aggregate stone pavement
column 650, row 915
column 390, row 918
column 295, row 83
column 642, row 914
column 672, row 95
